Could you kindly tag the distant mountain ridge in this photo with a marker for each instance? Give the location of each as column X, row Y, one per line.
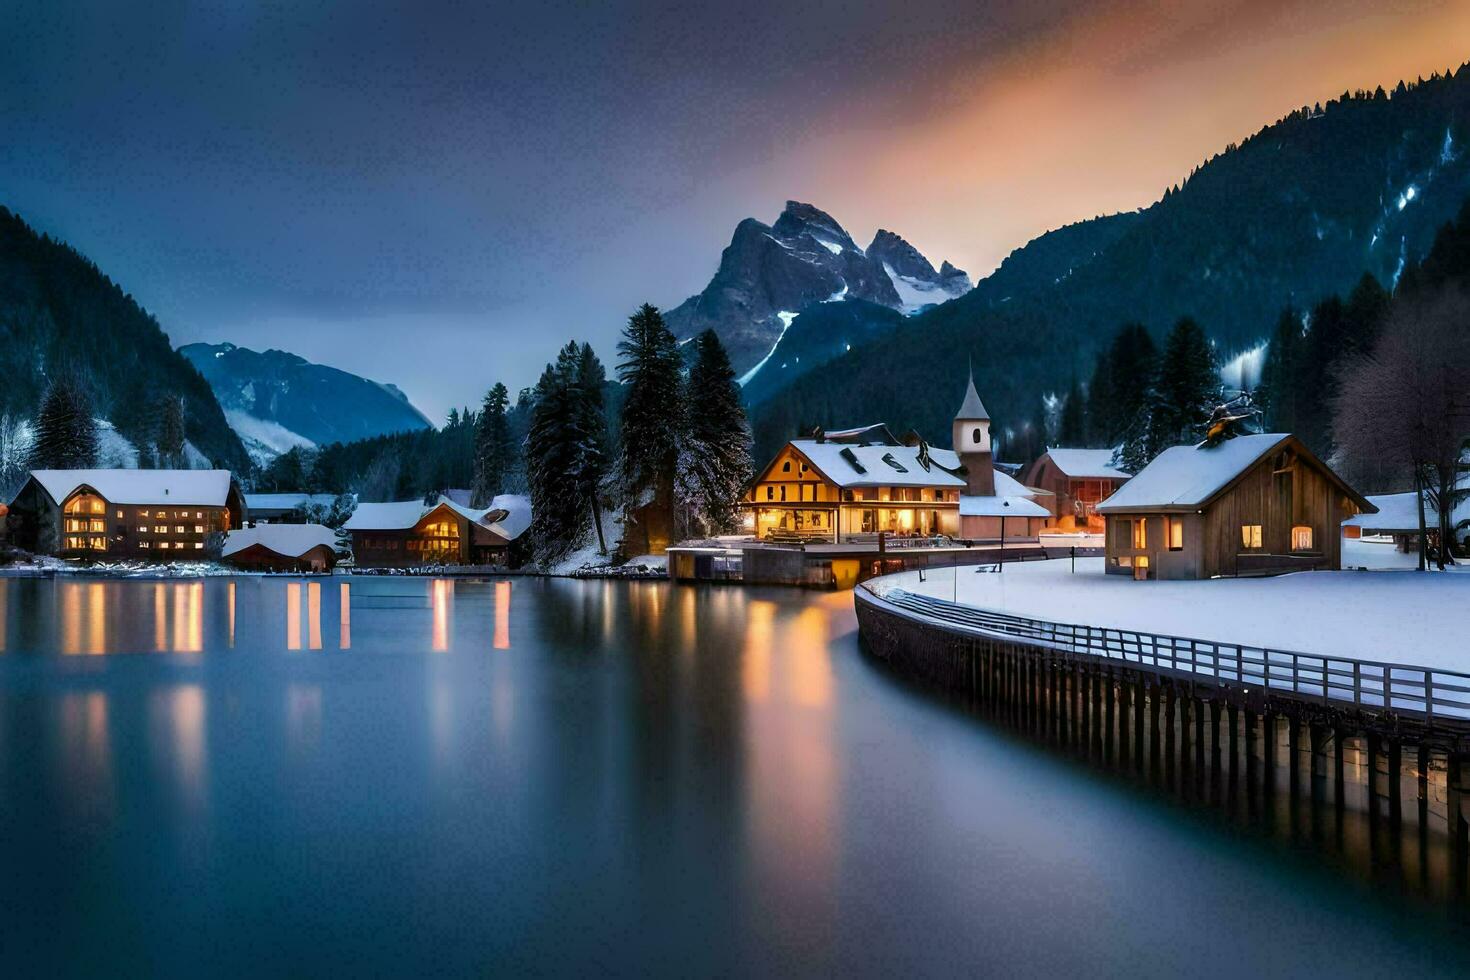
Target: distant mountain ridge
column 276, row 400
column 1299, row 211
column 60, row 313
column 769, row 274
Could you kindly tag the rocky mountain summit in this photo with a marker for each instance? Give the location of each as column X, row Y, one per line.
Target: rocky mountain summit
column 768, row 274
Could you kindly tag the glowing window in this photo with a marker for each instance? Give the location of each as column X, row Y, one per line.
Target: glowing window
column 163, row 544
column 179, row 528
column 1174, row 531
column 119, row 515
column 198, row 544
column 98, row 526
column 198, row 528
column 1250, row 535
column 144, row 544
column 1140, row 567
column 1140, row 534
column 161, row 529
column 1301, row 538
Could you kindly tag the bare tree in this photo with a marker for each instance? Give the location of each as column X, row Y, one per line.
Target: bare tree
column 1404, row 407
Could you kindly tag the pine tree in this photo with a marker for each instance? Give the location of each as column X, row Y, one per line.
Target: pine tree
column 556, row 459
column 1130, row 394
column 1278, row 394
column 715, row 463
column 652, row 427
column 170, row 433
column 1072, row 429
column 66, row 433
column 493, row 447
column 590, row 428
column 1187, row 389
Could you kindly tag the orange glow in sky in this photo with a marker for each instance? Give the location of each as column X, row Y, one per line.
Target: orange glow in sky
column 1106, row 113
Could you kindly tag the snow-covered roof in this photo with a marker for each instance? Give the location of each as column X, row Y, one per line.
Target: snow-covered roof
column 1400, row 512
column 1009, row 505
column 1086, row 464
column 287, row 540
column 1188, row 476
column 972, row 409
column 206, row 488
column 286, row 501
column 516, row 518
column 402, row 515
column 849, row 465
column 877, row 433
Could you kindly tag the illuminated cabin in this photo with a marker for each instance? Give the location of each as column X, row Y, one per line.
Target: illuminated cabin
column 1079, row 480
column 282, row 548
column 838, row 485
column 410, row 533
column 1252, row 505
column 156, row 515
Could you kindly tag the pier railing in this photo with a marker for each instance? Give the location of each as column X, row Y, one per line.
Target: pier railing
column 1429, row 692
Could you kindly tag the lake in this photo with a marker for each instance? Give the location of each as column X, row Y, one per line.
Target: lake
column 383, row 775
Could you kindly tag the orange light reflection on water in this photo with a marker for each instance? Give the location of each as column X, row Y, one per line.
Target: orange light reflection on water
column 439, row 600
column 344, row 636
column 502, row 616
column 293, row 615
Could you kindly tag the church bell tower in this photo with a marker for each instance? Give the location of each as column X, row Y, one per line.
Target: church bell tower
column 971, row 432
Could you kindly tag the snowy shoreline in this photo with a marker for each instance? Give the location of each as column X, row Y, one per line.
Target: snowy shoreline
column 1386, row 616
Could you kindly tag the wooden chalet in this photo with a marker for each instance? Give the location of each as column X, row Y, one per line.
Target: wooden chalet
column 411, row 533
column 1251, row 505
column 1079, row 480
column 156, row 515
column 282, row 548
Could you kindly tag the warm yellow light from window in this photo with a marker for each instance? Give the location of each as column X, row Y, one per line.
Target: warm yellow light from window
column 1175, row 528
column 1140, row 535
column 1250, row 535
column 1301, row 538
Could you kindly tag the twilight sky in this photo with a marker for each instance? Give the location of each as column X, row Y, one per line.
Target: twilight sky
column 440, row 193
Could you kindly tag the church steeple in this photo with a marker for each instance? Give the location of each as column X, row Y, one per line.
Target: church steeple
column 971, row 435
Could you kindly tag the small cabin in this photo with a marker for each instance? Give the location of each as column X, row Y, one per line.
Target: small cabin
column 409, row 533
column 109, row 514
column 1251, row 505
column 286, row 508
column 282, row 548
column 1079, row 480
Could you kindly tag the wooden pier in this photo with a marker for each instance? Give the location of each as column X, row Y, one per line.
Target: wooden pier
column 1260, row 732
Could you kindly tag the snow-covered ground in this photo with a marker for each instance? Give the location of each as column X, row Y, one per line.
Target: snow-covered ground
column 1376, row 555
column 1390, row 616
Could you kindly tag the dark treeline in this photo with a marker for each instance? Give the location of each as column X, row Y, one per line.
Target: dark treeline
column 660, row 453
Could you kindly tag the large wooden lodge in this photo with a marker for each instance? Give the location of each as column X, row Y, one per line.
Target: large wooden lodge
column 1251, row 505
column 155, row 515
column 854, row 484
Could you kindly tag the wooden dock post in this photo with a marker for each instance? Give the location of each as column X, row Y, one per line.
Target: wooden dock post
column 1140, row 707
column 1395, row 784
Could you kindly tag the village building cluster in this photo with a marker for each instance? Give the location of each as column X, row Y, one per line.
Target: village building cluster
column 1249, row 504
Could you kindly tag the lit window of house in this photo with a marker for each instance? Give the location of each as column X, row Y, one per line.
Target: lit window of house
column 198, row 544
column 98, row 526
column 1174, row 532
column 145, row 544
column 1140, row 534
column 1301, row 538
column 163, row 544
column 198, row 528
column 161, row 529
column 1250, row 535
column 179, row 528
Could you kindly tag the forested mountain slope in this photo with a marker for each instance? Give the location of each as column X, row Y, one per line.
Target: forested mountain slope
column 60, row 313
column 1299, row 211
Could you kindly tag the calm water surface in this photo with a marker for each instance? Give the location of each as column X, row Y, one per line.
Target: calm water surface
column 378, row 775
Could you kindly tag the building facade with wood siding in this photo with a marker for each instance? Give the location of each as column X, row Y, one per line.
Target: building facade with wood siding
column 410, row 533
column 1251, row 505
column 110, row 514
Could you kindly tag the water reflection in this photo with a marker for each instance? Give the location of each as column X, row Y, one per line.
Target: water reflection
column 502, row 615
column 747, row 781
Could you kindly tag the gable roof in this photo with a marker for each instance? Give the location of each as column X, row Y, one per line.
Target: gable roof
column 287, row 501
column 1185, row 477
column 1079, row 464
column 849, row 465
column 205, row 488
column 403, row 515
column 287, row 540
